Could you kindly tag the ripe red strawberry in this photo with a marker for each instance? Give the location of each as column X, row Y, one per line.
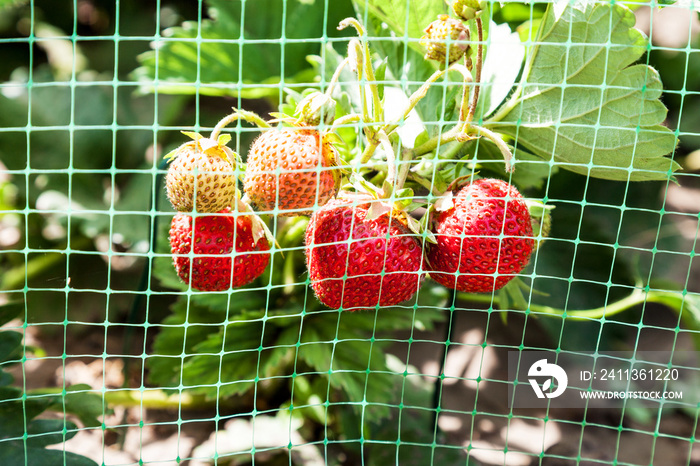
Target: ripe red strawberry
column 348, row 274
column 289, row 169
column 214, row 236
column 216, row 181
column 469, row 238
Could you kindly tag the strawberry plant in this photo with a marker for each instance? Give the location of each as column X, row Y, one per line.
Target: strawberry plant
column 424, row 157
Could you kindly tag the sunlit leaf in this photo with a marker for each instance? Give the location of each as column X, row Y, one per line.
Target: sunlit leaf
column 580, row 102
column 183, row 64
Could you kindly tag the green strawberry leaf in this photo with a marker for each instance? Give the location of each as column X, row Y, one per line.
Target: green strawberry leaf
column 380, row 76
column 195, row 325
column 193, row 347
column 582, row 104
column 166, row 274
column 688, row 307
column 5, row 378
column 9, row 311
column 10, row 346
column 14, row 452
column 251, row 349
column 14, row 412
column 44, row 432
column 530, row 171
column 184, row 64
column 86, row 192
column 17, row 413
column 331, row 344
column 78, row 400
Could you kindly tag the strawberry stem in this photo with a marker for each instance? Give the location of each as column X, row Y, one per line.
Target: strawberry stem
column 369, row 150
column 403, row 170
column 479, row 65
column 457, row 133
column 412, row 102
column 356, row 47
column 636, row 298
column 432, row 143
column 235, row 116
column 336, row 76
column 350, row 21
column 500, row 143
column 423, row 182
column 364, row 66
column 345, row 119
column 390, row 159
column 465, row 106
column 423, row 91
column 461, row 132
column 372, row 81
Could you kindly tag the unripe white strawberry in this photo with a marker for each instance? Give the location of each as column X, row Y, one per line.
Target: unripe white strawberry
column 203, row 169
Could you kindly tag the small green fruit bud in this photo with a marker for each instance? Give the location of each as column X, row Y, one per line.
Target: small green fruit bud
column 435, row 40
column 468, row 9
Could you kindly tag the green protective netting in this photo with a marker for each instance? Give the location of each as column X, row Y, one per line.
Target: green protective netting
column 107, row 357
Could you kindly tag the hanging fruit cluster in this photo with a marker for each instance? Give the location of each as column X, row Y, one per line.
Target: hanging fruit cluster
column 365, row 244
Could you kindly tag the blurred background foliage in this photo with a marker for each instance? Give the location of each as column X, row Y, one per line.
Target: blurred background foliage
column 86, row 119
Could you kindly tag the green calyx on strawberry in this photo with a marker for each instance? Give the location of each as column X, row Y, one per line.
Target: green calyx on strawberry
column 292, row 169
column 436, row 36
column 203, row 169
column 483, row 237
column 229, row 249
column 360, row 256
column 467, row 9
column 314, row 109
column 387, row 200
column 541, row 215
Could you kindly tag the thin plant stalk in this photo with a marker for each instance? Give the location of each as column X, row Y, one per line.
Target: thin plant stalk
column 235, row 116
column 479, row 65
